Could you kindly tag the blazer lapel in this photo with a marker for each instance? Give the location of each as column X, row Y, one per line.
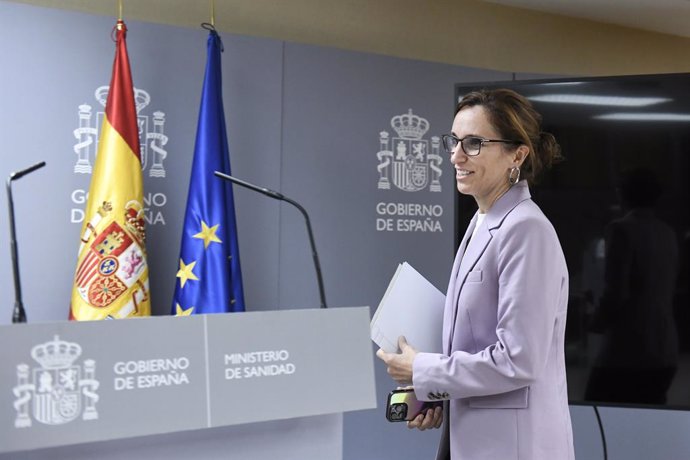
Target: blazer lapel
column 463, row 245
column 474, row 251
column 455, row 280
column 493, row 219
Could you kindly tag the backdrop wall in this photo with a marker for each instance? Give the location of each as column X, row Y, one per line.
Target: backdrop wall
column 305, row 120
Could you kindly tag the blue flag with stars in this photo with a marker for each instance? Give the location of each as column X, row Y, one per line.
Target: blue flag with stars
column 209, row 278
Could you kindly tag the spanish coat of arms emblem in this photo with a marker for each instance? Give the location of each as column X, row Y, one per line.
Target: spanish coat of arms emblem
column 406, row 159
column 61, row 390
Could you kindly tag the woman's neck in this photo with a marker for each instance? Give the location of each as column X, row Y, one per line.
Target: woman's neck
column 486, row 203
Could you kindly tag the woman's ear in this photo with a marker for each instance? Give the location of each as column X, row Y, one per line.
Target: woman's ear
column 520, row 155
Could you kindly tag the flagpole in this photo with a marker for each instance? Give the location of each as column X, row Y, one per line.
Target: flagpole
column 213, row 13
column 119, row 7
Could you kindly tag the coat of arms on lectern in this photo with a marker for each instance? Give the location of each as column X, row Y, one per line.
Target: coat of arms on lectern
column 58, row 391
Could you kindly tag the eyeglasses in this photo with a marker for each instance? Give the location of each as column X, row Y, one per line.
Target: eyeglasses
column 471, row 145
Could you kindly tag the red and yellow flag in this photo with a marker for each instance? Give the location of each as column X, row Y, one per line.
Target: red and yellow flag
column 112, row 277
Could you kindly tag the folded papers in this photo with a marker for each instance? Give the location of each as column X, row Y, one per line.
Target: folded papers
column 412, row 307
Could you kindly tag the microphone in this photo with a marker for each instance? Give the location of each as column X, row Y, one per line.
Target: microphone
column 281, row 197
column 19, row 174
column 18, row 314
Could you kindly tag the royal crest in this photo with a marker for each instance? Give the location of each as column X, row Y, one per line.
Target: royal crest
column 60, row 389
column 114, row 260
column 152, row 138
column 406, row 159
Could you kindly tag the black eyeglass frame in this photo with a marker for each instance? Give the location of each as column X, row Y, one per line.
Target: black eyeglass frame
column 481, row 143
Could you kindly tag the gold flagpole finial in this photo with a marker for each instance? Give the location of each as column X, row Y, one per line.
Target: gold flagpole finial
column 213, row 13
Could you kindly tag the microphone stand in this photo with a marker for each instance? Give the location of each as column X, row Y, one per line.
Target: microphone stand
column 18, row 314
column 281, row 197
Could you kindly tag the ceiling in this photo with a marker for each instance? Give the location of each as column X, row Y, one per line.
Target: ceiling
column 665, row 16
column 607, row 37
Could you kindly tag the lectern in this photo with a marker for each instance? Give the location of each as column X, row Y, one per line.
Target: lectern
column 70, row 383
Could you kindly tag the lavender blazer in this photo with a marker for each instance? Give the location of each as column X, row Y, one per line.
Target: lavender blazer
column 503, row 366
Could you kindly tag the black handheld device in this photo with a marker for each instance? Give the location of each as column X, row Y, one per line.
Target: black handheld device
column 403, row 406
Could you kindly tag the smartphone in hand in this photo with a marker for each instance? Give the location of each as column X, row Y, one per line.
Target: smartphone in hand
column 403, row 406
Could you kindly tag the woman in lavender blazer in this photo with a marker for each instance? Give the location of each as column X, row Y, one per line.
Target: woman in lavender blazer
column 502, row 370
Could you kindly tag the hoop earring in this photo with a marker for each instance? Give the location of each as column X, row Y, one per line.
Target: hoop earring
column 514, row 175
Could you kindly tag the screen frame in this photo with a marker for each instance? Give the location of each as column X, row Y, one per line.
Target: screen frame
column 460, row 224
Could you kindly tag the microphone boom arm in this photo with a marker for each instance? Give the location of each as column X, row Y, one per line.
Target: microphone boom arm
column 18, row 314
column 281, row 197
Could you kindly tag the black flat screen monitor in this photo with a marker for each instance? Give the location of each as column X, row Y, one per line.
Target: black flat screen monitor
column 619, row 203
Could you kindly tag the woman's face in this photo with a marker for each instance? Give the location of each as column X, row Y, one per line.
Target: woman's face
column 484, row 176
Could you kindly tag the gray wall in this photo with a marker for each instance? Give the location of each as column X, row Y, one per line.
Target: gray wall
column 304, row 120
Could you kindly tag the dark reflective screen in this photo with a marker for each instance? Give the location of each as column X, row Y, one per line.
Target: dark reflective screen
column 619, row 203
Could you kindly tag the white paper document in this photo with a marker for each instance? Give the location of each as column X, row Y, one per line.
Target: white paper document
column 412, row 307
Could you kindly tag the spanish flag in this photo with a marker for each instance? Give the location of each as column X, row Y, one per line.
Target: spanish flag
column 112, row 277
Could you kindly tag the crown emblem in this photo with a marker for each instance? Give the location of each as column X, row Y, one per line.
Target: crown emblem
column 56, row 354
column 409, row 126
column 135, row 221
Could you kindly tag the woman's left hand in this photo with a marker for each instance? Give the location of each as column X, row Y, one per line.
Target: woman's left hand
column 399, row 364
column 431, row 418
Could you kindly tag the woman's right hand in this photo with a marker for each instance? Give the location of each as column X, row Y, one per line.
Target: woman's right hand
column 431, row 418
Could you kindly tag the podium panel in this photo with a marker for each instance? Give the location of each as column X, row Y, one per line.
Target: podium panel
column 316, row 437
column 78, row 382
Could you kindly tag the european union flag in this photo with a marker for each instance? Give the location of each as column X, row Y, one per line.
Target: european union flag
column 209, row 279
